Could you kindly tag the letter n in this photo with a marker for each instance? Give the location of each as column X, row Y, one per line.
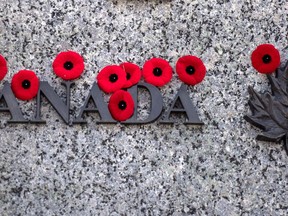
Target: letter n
column 61, row 108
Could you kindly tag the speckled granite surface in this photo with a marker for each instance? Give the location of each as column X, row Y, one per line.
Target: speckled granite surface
column 153, row 169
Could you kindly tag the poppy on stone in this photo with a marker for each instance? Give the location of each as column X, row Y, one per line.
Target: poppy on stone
column 157, row 72
column 111, row 78
column 190, row 69
column 121, row 105
column 3, row 67
column 25, row 84
column 68, row 65
column 133, row 74
column 265, row 58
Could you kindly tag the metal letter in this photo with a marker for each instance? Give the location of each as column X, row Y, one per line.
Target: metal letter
column 95, row 95
column 8, row 98
column 188, row 108
column 62, row 108
column 156, row 103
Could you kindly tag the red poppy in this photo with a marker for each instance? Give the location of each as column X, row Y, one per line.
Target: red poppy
column 121, row 105
column 265, row 58
column 190, row 69
column 111, row 78
column 25, row 84
column 133, row 74
column 68, row 65
column 157, row 71
column 3, row 67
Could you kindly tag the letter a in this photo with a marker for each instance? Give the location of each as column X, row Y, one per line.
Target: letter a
column 7, row 97
column 188, row 108
column 95, row 95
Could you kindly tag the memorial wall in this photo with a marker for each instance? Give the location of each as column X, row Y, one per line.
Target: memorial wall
column 124, row 107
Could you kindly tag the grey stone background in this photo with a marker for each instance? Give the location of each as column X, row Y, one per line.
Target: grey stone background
column 153, row 169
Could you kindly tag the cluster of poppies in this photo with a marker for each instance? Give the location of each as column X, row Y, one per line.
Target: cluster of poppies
column 265, row 58
column 156, row 71
column 113, row 79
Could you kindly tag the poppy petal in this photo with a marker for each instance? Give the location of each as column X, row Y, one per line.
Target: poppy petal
column 25, row 85
column 68, row 65
column 265, row 58
column 121, row 105
column 133, row 73
column 157, row 72
column 111, row 78
column 3, row 67
column 190, row 69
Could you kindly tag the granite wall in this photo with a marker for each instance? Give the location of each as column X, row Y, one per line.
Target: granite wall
column 152, row 169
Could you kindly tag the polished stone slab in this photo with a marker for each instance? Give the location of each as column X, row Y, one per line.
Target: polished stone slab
column 153, row 169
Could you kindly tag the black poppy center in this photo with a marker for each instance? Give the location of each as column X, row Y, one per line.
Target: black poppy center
column 122, row 105
column 113, row 78
column 190, row 70
column 266, row 59
column 68, row 65
column 26, row 84
column 128, row 76
column 157, row 71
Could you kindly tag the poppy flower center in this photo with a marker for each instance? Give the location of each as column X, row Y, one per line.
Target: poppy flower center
column 128, row 76
column 190, row 70
column 122, row 105
column 26, row 84
column 113, row 78
column 157, row 72
column 68, row 65
column 266, row 59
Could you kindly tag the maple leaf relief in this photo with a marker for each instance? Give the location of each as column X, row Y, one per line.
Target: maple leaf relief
column 270, row 110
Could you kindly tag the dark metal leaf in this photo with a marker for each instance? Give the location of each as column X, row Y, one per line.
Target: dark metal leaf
column 279, row 91
column 270, row 111
column 282, row 76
